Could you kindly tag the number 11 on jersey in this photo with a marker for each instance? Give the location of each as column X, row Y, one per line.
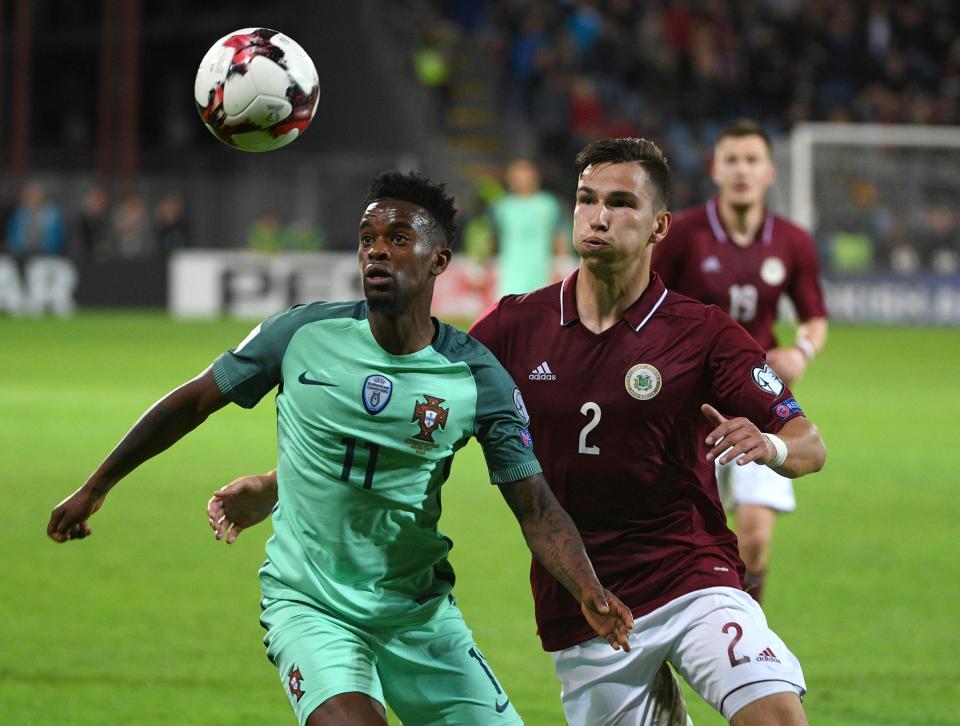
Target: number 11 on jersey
column 351, row 444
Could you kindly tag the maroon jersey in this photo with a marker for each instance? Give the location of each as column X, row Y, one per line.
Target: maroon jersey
column 698, row 259
column 616, row 424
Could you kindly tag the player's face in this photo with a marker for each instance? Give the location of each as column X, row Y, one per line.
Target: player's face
column 616, row 217
column 398, row 256
column 742, row 170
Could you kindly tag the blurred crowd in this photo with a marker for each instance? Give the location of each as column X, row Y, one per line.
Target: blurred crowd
column 677, row 71
column 96, row 228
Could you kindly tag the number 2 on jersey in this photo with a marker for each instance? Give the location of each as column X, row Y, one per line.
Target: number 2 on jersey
column 351, row 444
column 589, row 409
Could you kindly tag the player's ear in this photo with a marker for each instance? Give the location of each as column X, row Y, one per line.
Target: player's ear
column 441, row 259
column 772, row 174
column 661, row 226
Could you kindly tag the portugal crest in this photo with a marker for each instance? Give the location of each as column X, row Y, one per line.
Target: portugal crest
column 430, row 416
column 377, row 390
column 294, row 681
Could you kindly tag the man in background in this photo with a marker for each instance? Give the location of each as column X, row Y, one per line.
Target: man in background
column 527, row 225
column 734, row 253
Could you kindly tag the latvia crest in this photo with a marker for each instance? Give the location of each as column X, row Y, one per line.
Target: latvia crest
column 377, row 391
column 643, row 381
column 430, row 416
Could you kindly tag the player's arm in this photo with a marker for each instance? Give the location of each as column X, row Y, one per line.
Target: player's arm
column 796, row 449
column 242, row 503
column 164, row 423
column 812, row 336
column 554, row 540
column 790, row 362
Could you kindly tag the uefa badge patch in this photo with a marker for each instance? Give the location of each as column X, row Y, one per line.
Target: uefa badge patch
column 521, row 406
column 773, row 271
column 643, row 381
column 767, row 380
column 377, row 391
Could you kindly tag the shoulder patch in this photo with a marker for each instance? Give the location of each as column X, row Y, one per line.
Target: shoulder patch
column 787, row 408
column 521, row 406
column 767, row 380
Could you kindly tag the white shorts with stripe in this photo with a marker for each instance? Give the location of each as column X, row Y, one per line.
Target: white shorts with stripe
column 717, row 639
column 754, row 484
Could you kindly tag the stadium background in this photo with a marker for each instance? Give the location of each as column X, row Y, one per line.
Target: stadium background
column 150, row 621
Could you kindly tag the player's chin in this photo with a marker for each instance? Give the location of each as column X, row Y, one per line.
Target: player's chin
column 382, row 298
column 597, row 257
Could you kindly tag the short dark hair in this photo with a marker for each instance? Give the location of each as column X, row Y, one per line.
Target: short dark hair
column 744, row 127
column 619, row 151
column 417, row 189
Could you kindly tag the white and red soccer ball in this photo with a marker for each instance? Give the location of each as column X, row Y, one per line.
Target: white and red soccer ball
column 256, row 89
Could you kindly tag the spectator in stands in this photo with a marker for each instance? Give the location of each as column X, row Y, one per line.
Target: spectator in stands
column 170, row 223
column 36, row 224
column 132, row 236
column 94, row 225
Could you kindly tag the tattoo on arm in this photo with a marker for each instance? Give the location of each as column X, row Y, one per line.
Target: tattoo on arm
column 550, row 533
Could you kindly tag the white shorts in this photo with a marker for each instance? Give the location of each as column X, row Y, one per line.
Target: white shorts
column 754, row 483
column 717, row 639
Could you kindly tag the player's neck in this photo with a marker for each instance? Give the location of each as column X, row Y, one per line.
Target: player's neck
column 742, row 222
column 605, row 294
column 402, row 333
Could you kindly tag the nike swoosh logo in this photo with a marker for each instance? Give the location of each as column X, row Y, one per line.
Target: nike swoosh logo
column 310, row 382
column 501, row 709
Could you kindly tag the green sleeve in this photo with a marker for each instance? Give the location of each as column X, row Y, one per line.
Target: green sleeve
column 501, row 422
column 245, row 374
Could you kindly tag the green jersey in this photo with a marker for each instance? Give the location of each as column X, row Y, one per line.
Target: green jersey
column 365, row 441
column 525, row 226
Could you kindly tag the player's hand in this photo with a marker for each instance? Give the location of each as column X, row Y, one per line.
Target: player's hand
column 69, row 518
column 240, row 504
column 788, row 363
column 736, row 439
column 610, row 618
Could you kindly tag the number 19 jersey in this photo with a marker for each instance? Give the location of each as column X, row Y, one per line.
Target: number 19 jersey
column 365, row 441
column 698, row 259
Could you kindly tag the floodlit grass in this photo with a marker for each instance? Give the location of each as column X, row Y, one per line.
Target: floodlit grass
column 151, row 621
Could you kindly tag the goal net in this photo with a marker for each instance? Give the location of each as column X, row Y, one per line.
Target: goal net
column 883, row 204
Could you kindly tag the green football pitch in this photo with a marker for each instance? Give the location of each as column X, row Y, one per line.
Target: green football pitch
column 150, row 621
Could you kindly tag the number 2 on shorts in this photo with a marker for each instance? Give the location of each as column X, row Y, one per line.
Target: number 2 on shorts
column 737, row 634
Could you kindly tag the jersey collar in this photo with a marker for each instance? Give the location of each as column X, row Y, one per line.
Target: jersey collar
column 636, row 315
column 713, row 216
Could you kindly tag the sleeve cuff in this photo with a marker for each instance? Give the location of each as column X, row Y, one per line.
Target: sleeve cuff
column 515, row 473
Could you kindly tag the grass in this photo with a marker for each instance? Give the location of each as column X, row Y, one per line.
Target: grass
column 151, row 621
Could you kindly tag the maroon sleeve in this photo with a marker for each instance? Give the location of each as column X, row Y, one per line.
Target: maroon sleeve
column 741, row 382
column 804, row 288
column 668, row 257
column 486, row 326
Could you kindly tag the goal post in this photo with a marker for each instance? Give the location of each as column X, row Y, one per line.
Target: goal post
column 883, row 204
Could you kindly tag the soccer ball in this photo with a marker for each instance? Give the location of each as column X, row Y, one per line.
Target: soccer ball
column 256, row 89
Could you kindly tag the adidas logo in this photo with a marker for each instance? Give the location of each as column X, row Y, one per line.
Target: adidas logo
column 542, row 373
column 768, row 655
column 711, row 264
